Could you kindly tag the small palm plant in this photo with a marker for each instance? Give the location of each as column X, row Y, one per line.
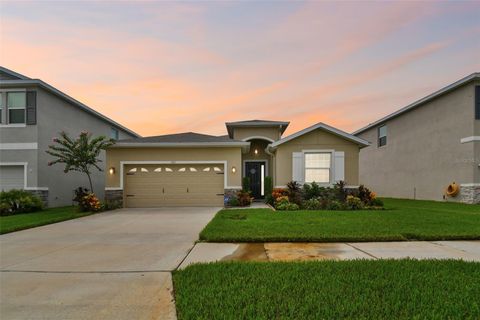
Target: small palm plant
column 79, row 154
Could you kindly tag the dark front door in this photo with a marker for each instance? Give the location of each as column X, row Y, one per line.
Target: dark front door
column 254, row 170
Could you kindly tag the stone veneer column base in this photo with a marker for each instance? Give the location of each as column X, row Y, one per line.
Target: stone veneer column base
column 469, row 193
column 42, row 194
column 114, row 196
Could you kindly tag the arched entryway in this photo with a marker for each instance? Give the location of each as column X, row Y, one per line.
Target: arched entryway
column 257, row 165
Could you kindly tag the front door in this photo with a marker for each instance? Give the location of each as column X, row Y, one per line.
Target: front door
column 255, row 170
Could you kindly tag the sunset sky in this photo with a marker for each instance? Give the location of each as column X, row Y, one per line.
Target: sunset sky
column 166, row 67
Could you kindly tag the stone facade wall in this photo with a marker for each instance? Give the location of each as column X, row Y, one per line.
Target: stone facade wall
column 42, row 194
column 470, row 193
column 114, row 196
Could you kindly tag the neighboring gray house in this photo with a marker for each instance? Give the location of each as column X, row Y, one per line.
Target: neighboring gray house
column 419, row 150
column 31, row 113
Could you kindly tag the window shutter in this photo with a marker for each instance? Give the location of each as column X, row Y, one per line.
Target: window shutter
column 297, row 167
column 31, row 107
column 339, row 166
column 477, row 102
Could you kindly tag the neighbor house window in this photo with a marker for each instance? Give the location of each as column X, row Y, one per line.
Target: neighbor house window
column 16, row 103
column 477, row 102
column 318, row 167
column 382, row 135
column 1, row 107
column 114, row 133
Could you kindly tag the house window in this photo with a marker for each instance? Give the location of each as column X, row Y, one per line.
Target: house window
column 16, row 103
column 382, row 135
column 114, row 133
column 318, row 167
column 477, row 102
column 1, row 107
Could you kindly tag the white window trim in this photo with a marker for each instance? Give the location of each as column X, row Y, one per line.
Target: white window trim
column 7, row 109
column 224, row 162
column 13, row 125
column 332, row 165
column 258, row 138
column 19, row 146
column 25, row 171
column 470, row 139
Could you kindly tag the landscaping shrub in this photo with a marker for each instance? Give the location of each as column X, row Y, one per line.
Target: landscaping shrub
column 353, row 203
column 294, row 192
column 340, row 191
column 283, row 204
column 335, row 205
column 111, row 205
column 18, row 201
column 312, row 190
column 233, row 202
column 246, row 184
column 312, row 204
column 375, row 202
column 365, row 195
column 279, row 192
column 244, row 198
column 87, row 201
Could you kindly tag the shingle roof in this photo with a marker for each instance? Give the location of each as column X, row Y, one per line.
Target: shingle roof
column 21, row 80
column 256, row 123
column 185, row 137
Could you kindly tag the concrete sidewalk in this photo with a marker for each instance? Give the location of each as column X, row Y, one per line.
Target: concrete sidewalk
column 209, row 252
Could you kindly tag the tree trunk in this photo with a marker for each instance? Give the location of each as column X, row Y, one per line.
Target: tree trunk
column 90, row 181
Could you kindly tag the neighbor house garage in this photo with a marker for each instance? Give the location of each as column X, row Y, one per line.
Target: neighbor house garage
column 192, row 169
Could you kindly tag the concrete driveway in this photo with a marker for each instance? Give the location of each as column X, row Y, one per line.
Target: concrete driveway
column 113, row 265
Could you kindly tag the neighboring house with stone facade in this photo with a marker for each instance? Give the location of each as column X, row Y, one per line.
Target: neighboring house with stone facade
column 32, row 112
column 192, row 169
column 419, row 150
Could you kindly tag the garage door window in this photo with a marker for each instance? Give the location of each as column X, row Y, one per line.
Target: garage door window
column 192, row 169
column 217, row 169
column 158, row 170
column 133, row 170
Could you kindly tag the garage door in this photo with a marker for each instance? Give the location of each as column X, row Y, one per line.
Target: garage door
column 11, row 177
column 173, row 185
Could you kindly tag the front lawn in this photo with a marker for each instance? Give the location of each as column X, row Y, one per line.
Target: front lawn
column 40, row 218
column 402, row 220
column 359, row 289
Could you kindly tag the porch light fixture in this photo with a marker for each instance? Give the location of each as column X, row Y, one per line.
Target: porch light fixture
column 234, row 169
column 256, row 151
column 111, row 170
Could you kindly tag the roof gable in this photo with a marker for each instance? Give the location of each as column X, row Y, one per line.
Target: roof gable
column 282, row 125
column 7, row 74
column 418, row 103
column 325, row 127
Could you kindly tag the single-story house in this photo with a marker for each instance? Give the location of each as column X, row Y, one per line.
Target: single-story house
column 192, row 169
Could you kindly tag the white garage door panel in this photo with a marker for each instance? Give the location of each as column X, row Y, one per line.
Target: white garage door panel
column 12, row 177
column 181, row 185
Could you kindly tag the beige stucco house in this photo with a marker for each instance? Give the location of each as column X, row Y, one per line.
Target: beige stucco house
column 419, row 150
column 192, row 169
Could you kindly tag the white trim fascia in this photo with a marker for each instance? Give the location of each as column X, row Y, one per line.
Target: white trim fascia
column 470, row 185
column 19, row 146
column 73, row 101
column 113, row 188
column 470, row 139
column 234, row 187
column 325, row 127
column 37, row 188
column 442, row 91
column 258, row 137
column 280, row 187
column 13, row 125
column 224, row 162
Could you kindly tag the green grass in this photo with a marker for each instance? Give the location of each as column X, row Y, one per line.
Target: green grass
column 35, row 219
column 402, row 220
column 361, row 289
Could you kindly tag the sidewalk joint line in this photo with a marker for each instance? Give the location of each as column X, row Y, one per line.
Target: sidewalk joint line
column 85, row 272
column 367, row 253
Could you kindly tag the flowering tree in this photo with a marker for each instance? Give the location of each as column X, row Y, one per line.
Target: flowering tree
column 80, row 154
